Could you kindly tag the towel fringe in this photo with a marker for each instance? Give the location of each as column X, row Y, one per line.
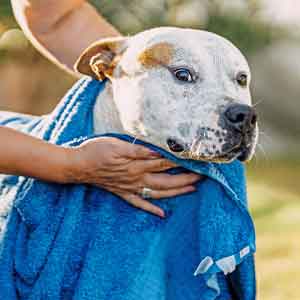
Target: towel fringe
column 209, row 268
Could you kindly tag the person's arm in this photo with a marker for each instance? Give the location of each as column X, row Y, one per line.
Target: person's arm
column 120, row 167
column 61, row 29
column 21, row 154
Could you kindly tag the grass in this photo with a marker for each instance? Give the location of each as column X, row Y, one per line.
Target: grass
column 274, row 193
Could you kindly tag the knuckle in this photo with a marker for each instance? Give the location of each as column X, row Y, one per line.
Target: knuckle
column 166, row 182
column 132, row 170
column 146, row 179
column 156, row 194
column 153, row 183
column 181, row 179
column 138, row 151
column 132, row 152
column 193, row 177
column 138, row 204
column 162, row 185
column 113, row 146
column 164, row 163
column 139, row 187
column 131, row 199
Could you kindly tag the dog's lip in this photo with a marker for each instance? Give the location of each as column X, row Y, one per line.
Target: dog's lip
column 236, row 152
column 240, row 150
column 245, row 152
column 228, row 156
column 224, row 157
column 243, row 156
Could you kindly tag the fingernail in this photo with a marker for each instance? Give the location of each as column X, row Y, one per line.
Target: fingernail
column 161, row 213
column 153, row 153
column 192, row 189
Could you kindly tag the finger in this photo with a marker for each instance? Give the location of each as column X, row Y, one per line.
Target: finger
column 139, row 152
column 171, row 193
column 153, row 165
column 166, row 181
column 154, row 181
column 138, row 202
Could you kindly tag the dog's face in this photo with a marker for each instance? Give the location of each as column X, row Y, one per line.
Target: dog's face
column 184, row 90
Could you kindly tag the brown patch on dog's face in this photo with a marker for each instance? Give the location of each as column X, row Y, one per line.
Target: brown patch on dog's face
column 158, row 54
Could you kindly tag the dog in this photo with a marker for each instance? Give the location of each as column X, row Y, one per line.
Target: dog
column 184, row 90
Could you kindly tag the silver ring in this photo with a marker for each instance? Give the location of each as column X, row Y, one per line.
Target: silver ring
column 146, row 193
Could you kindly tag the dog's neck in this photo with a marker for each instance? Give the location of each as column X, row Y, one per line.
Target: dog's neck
column 105, row 114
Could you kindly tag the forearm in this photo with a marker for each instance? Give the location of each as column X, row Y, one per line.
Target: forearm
column 61, row 29
column 21, row 154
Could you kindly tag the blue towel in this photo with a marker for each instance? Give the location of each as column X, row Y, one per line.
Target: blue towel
column 83, row 243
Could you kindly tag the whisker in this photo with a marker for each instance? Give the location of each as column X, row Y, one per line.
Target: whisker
column 263, row 152
column 265, row 135
column 258, row 102
column 255, row 160
column 193, row 145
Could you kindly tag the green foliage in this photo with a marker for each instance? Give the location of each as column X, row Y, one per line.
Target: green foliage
column 5, row 8
column 243, row 29
column 6, row 13
column 249, row 34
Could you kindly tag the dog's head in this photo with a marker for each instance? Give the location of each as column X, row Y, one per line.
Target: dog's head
column 184, row 90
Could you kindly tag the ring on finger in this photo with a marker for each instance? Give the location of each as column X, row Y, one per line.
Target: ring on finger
column 146, row 193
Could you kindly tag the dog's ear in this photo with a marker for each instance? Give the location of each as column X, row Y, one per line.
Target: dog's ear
column 100, row 59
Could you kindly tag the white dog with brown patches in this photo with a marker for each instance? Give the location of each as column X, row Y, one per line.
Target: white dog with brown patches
column 184, row 90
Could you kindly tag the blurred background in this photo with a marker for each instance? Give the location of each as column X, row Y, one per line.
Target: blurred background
column 268, row 33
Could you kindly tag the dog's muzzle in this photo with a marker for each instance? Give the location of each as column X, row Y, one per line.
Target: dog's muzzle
column 239, row 121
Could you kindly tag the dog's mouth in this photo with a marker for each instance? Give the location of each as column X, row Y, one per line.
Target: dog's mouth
column 242, row 152
column 239, row 147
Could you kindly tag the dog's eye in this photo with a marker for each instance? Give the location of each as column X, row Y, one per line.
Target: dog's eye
column 183, row 74
column 242, row 79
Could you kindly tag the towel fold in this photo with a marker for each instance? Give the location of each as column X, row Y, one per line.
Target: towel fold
column 83, row 243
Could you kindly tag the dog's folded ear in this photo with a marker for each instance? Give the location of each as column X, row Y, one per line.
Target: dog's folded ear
column 100, row 59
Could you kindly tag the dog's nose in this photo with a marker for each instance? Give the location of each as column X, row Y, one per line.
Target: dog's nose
column 174, row 145
column 241, row 117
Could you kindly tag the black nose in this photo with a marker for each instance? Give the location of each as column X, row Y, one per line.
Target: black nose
column 174, row 145
column 241, row 117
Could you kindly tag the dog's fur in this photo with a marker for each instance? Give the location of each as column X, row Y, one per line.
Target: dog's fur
column 143, row 97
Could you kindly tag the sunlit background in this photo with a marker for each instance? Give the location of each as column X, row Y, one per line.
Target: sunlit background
column 268, row 33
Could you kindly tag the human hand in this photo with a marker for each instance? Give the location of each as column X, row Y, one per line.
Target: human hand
column 125, row 169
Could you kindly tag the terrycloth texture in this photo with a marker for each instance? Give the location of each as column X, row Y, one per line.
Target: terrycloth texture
column 80, row 242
